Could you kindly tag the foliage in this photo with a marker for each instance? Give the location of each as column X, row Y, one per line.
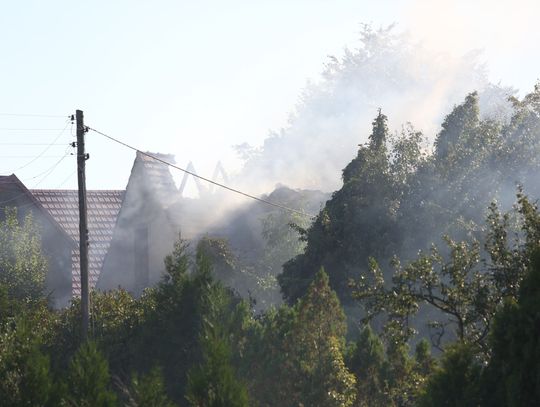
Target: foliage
column 353, row 224
column 284, row 237
column 398, row 198
column 457, row 381
column 88, row 379
column 192, row 340
column 25, row 376
column 223, row 260
column 300, row 353
column 366, row 358
column 23, row 267
column 115, row 317
column 462, row 292
column 214, row 384
column 147, row 390
column 513, row 374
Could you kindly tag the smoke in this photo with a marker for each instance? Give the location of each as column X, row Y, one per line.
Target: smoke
column 387, row 70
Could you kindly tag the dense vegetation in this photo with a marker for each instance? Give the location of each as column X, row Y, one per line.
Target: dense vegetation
column 400, row 196
column 418, row 241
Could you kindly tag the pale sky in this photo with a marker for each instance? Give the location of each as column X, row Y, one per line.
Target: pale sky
column 195, row 78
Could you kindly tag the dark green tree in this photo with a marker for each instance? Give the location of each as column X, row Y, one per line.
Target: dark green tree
column 457, row 382
column 458, row 128
column 214, row 383
column 25, row 375
column 147, row 390
column 300, row 353
column 88, row 380
column 513, row 375
column 366, row 359
column 355, row 223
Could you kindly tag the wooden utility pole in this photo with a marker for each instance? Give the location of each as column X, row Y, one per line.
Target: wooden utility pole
column 83, row 226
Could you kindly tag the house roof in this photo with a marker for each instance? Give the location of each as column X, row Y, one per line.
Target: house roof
column 158, row 176
column 103, row 208
column 13, row 187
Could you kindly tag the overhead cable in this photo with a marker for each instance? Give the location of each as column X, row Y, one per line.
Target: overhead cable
column 46, row 148
column 33, row 115
column 237, row 191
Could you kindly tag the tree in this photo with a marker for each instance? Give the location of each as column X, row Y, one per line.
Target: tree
column 457, row 129
column 457, row 382
column 25, row 375
column 300, row 353
column 147, row 390
column 224, row 262
column 319, row 345
column 214, row 383
column 355, row 223
column 513, row 374
column 88, row 379
column 365, row 360
column 174, row 316
column 23, row 267
column 459, row 290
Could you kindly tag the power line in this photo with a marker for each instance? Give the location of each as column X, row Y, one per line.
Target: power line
column 29, row 156
column 33, row 115
column 28, row 129
column 47, row 172
column 66, row 179
column 46, row 148
column 237, row 191
column 32, row 144
column 50, row 170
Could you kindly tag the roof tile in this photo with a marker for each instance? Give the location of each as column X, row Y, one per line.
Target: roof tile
column 103, row 209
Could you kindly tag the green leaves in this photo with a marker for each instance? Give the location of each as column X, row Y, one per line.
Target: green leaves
column 213, row 384
column 25, row 376
column 88, row 379
column 23, row 267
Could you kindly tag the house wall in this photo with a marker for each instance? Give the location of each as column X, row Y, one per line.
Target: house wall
column 162, row 235
column 127, row 265
column 142, row 238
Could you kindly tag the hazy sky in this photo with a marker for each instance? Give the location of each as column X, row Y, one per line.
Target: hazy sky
column 195, row 78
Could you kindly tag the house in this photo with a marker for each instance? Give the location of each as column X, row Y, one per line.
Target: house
column 146, row 228
column 130, row 231
column 58, row 245
column 103, row 207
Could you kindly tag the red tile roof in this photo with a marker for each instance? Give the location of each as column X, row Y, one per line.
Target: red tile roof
column 103, row 209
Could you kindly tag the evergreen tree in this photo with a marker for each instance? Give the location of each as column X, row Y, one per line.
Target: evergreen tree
column 355, row 223
column 214, row 383
column 457, row 128
column 513, row 376
column 147, row 391
column 457, row 383
column 301, row 353
column 377, row 139
column 88, row 379
column 25, row 376
column 366, row 360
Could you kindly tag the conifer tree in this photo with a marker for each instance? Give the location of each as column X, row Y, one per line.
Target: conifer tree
column 513, row 376
column 214, row 383
column 25, row 375
column 354, row 224
column 88, row 379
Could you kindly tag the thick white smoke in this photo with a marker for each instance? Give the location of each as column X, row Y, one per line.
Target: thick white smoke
column 388, row 71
